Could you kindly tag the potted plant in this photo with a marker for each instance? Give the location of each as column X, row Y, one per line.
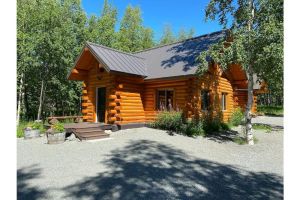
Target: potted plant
column 56, row 134
column 32, row 130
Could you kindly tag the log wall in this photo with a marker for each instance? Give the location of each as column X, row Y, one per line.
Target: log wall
column 128, row 105
column 130, row 99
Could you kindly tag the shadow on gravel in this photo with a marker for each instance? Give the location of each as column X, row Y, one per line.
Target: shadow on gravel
column 222, row 137
column 150, row 170
column 24, row 189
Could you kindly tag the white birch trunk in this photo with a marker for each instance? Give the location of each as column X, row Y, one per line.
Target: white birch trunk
column 248, row 114
column 41, row 101
column 20, row 100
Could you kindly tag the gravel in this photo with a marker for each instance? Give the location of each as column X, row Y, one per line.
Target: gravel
column 145, row 163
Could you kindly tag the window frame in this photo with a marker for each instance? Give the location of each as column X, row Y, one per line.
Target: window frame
column 224, row 101
column 165, row 95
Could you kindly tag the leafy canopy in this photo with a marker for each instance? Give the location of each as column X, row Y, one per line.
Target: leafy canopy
column 259, row 49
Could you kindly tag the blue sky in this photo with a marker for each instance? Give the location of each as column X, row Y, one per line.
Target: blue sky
column 156, row 13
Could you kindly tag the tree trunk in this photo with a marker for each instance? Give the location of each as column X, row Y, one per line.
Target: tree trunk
column 41, row 101
column 20, row 98
column 248, row 115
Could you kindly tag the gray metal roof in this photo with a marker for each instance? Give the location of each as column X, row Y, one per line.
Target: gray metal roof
column 118, row 61
column 177, row 59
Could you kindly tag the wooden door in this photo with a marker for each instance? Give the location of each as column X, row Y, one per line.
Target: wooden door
column 101, row 101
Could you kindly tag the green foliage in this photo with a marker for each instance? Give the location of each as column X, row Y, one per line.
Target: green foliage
column 169, row 120
column 236, row 117
column 35, row 125
column 20, row 129
column 270, row 110
column 58, row 127
column 132, row 36
column 168, row 35
column 183, row 35
column 257, row 39
column 192, row 128
column 173, row 121
column 102, row 30
column 50, row 35
column 264, row 127
column 254, row 41
column 214, row 125
column 147, row 38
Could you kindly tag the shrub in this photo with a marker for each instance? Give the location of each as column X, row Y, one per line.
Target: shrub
column 58, row 127
column 214, row 125
column 34, row 125
column 236, row 117
column 169, row 120
column 192, row 128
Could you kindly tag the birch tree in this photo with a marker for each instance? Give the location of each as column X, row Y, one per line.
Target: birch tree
column 256, row 43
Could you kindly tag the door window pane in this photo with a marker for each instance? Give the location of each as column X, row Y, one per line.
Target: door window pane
column 204, row 99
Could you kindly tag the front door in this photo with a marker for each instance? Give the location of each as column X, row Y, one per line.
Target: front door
column 101, row 100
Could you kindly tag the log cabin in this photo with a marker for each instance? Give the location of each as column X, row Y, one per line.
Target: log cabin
column 124, row 88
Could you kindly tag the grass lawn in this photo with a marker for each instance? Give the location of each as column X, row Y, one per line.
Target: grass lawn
column 270, row 110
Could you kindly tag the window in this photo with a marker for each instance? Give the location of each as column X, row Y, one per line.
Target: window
column 164, row 100
column 205, row 99
column 224, row 101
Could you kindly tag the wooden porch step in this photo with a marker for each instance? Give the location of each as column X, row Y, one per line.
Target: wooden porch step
column 88, row 131
column 93, row 135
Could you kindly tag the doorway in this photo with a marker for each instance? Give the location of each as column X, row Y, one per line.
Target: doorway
column 100, row 102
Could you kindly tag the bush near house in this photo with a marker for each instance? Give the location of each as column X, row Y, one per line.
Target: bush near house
column 192, row 128
column 236, row 117
column 175, row 122
column 214, row 125
column 169, row 120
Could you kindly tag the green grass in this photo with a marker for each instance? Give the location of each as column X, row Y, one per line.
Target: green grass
column 264, row 127
column 270, row 110
column 241, row 140
column 20, row 129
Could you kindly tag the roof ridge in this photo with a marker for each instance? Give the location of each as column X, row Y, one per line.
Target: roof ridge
column 116, row 50
column 193, row 38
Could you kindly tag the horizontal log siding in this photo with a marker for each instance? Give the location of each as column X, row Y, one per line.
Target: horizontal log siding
column 240, row 100
column 96, row 79
column 225, row 87
column 179, row 86
column 130, row 99
column 129, row 104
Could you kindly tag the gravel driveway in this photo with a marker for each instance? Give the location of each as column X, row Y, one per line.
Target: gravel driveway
column 145, row 163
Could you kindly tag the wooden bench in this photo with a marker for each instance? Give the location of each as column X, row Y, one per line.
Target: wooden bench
column 64, row 117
